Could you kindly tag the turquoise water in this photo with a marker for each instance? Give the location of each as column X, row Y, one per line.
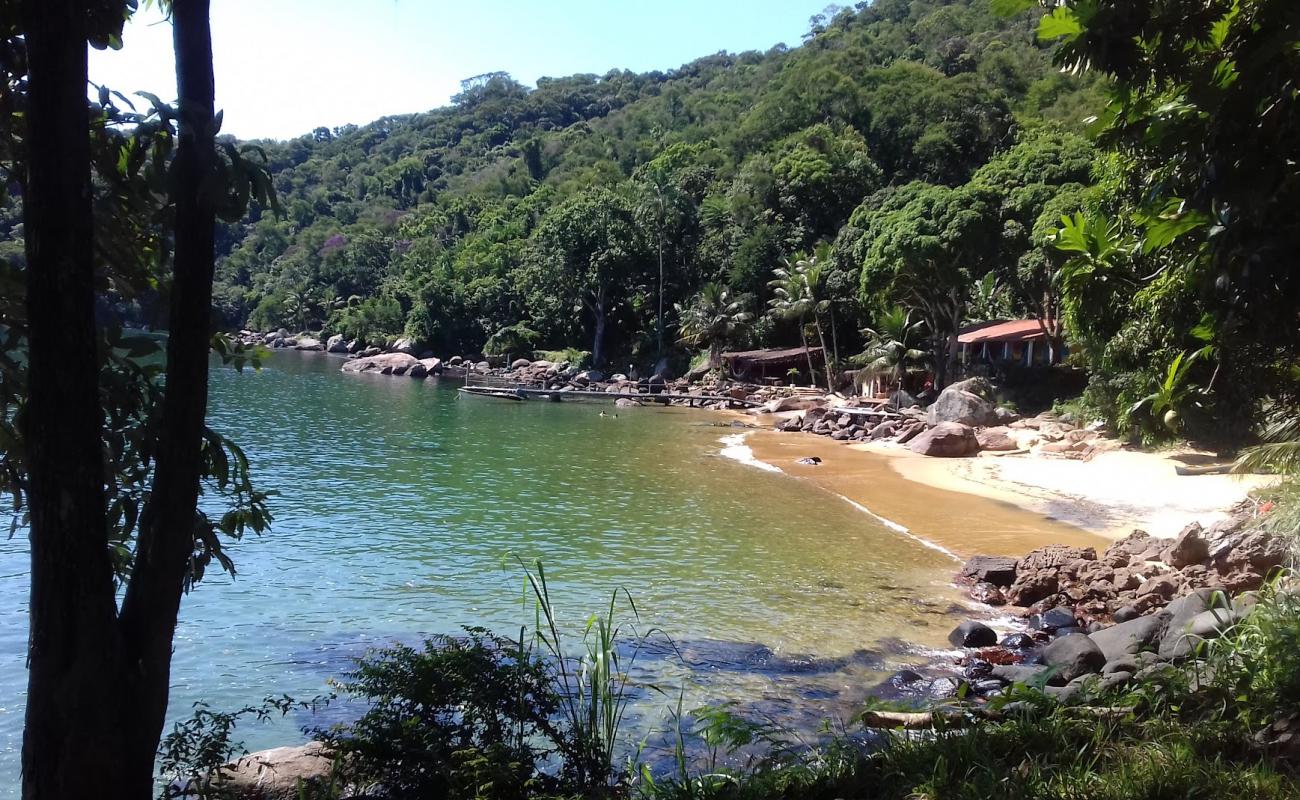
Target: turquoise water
column 403, row 508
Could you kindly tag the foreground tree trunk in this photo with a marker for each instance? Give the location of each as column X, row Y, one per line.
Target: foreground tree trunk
column 98, row 680
column 70, row 743
column 166, row 541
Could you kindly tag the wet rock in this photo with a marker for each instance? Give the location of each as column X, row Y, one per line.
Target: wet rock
column 1074, row 656
column 1053, row 619
column 1068, row 630
column 943, row 688
column 988, row 594
column 904, row 677
column 972, row 634
column 946, row 440
column 1017, row 641
column 987, row 686
column 997, row 570
column 977, row 669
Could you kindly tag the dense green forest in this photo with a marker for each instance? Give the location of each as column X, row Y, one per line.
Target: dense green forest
column 517, row 218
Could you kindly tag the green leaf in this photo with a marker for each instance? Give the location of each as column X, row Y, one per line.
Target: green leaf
column 1061, row 23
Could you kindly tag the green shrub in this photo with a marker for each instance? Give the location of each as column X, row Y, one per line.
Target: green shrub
column 457, row 718
column 578, row 358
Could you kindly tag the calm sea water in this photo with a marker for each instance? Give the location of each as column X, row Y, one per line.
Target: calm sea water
column 403, row 510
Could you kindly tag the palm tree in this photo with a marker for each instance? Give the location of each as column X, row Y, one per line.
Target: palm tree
column 889, row 349
column 1280, row 452
column 797, row 289
column 792, row 301
column 713, row 319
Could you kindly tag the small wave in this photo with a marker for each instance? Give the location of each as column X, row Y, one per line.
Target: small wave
column 903, row 529
column 734, row 448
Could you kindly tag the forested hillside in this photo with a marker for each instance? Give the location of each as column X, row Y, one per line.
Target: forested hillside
column 928, row 147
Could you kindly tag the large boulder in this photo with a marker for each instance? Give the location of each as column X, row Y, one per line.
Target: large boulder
column 792, row 403
column 946, row 440
column 309, row 343
column 403, row 345
column 1074, row 655
column 1187, row 628
column 282, row 773
column 384, row 363
column 336, row 344
column 965, row 402
column 1132, row 637
column 997, row 570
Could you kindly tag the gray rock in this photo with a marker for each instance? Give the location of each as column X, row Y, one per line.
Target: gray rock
column 972, row 634
column 997, row 570
column 1019, row 673
column 946, row 440
column 955, row 404
column 336, row 344
column 1074, row 655
column 1177, row 642
column 1125, row 614
column 1122, row 664
column 383, row 363
column 1053, row 619
column 403, row 345
column 1134, row 636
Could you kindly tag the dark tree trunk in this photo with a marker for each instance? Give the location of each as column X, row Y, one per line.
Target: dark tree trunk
column 167, row 538
column 70, row 744
column 598, row 338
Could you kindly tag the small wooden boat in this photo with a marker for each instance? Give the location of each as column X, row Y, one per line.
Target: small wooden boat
column 501, row 393
column 1203, row 469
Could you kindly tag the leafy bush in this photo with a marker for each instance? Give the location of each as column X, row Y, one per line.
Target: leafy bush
column 578, row 358
column 459, row 717
column 374, row 319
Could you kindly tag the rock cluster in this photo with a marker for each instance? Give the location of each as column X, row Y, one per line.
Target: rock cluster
column 1096, row 622
column 963, row 421
column 1134, row 576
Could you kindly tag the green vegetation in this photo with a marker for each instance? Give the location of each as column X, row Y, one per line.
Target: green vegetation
column 589, row 208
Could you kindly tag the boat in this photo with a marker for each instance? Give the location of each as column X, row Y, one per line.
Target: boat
column 499, row 392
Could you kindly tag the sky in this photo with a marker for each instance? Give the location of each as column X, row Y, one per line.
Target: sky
column 285, row 67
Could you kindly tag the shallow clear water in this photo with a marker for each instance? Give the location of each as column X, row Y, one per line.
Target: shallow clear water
column 402, row 509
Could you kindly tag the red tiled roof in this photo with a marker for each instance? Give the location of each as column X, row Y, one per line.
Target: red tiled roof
column 1018, row 330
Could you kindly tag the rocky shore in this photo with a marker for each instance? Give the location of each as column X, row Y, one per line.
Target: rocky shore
column 1092, row 622
column 963, row 421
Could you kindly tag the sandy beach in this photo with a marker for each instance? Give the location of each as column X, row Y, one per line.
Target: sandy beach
column 1011, row 503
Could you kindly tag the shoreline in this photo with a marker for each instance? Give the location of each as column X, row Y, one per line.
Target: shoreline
column 911, row 505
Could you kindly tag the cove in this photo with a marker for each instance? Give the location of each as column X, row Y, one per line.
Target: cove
column 403, row 509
